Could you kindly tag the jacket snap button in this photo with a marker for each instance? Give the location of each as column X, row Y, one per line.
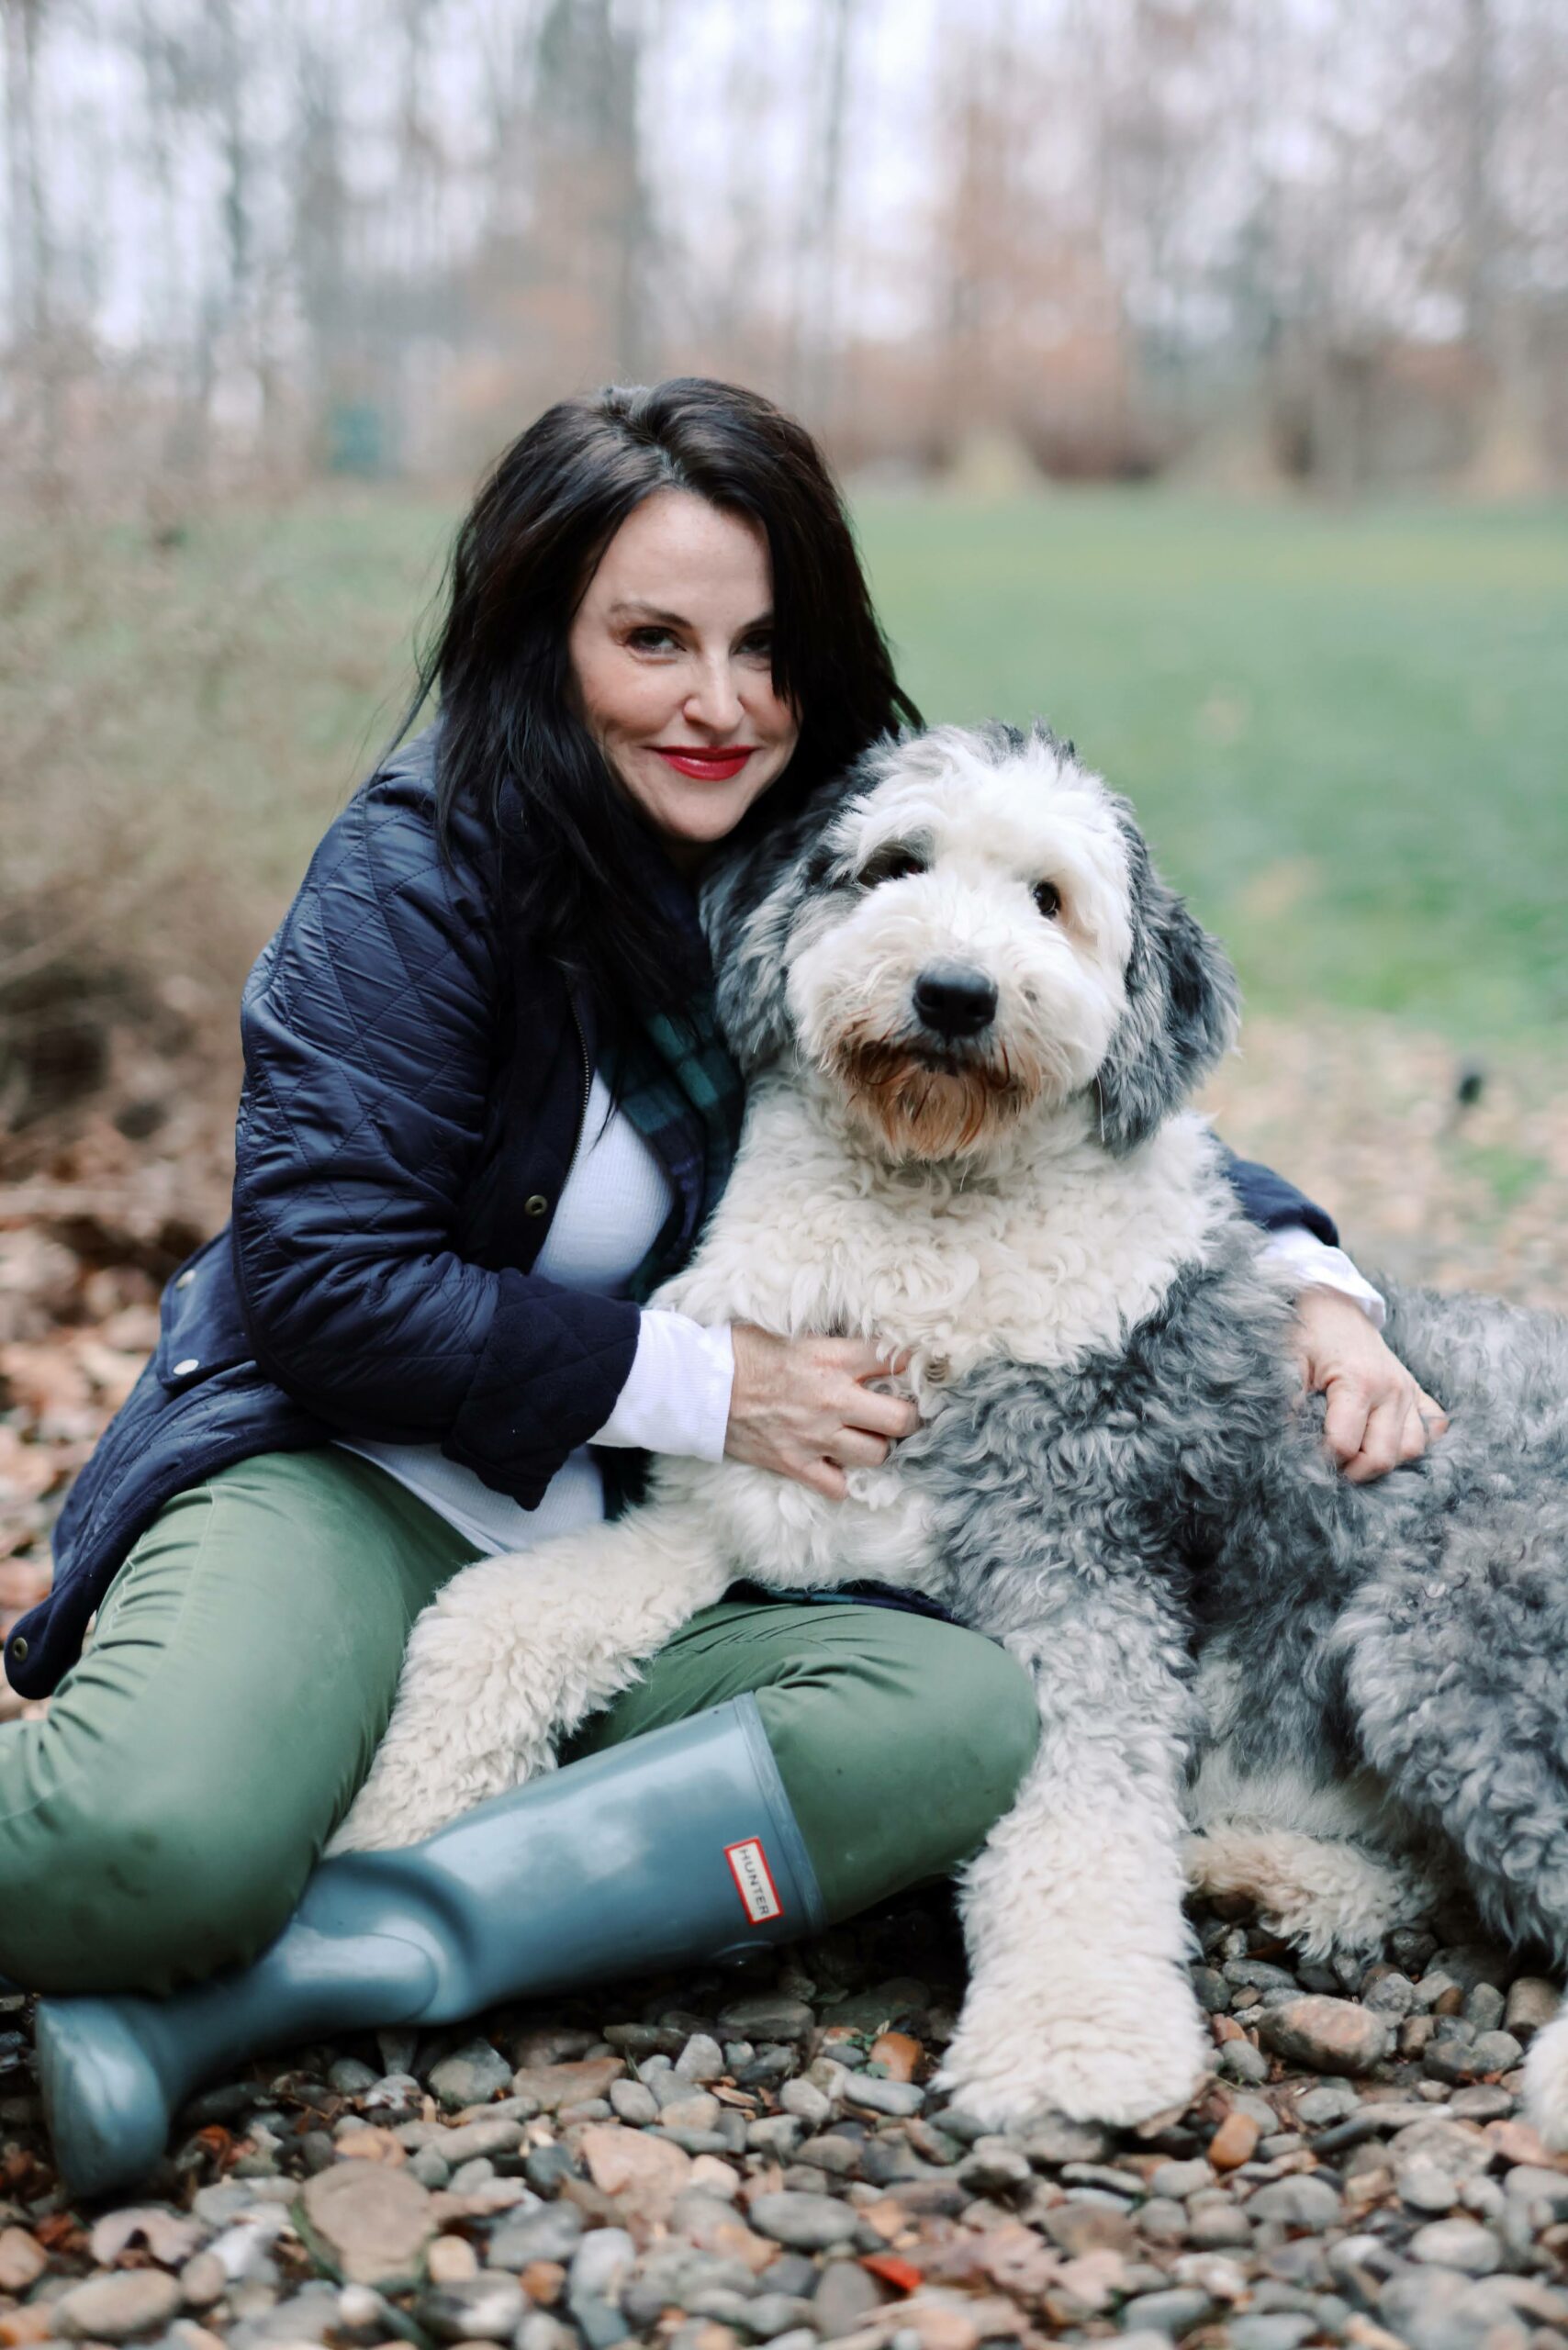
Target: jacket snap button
column 191, row 1362
column 19, row 1650
column 535, row 1204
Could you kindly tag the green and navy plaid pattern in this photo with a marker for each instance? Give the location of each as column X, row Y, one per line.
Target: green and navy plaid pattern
column 673, row 1077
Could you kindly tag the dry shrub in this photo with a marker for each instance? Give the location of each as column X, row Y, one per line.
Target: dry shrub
column 159, row 794
column 115, row 920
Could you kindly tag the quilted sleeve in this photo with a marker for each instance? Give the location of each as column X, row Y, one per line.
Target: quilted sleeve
column 369, row 1026
column 1269, row 1201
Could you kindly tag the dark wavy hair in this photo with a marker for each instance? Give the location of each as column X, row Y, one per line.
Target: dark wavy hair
column 512, row 746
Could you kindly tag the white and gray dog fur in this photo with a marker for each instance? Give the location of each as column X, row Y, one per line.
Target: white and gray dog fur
column 971, row 1015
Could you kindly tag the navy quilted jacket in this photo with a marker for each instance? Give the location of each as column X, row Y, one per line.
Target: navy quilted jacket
column 415, row 1077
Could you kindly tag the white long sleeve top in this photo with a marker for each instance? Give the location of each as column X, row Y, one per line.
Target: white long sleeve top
column 677, row 1396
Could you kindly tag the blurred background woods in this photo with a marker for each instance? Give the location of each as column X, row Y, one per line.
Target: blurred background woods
column 249, row 240
column 1199, row 373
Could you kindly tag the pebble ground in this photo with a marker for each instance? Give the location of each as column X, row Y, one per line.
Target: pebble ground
column 713, row 2162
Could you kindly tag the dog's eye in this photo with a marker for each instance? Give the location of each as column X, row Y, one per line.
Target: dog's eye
column 889, row 864
column 1047, row 897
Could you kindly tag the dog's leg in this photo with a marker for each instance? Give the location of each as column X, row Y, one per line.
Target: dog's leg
column 514, row 1653
column 1277, row 1815
column 1079, row 1996
column 1546, row 2083
column 1454, row 1683
column 1323, row 1893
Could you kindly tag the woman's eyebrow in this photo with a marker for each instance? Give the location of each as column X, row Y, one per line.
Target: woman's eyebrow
column 653, row 611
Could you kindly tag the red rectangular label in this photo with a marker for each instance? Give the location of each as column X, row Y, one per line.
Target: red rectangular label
column 753, row 1880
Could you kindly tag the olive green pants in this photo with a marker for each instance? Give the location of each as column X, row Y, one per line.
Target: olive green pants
column 162, row 1820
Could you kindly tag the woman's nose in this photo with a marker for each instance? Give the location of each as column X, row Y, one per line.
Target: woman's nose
column 714, row 699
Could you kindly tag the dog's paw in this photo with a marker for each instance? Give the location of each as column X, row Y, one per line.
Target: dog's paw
column 394, row 1808
column 367, row 1828
column 1546, row 2085
column 413, row 1793
column 378, row 1823
column 1323, row 1894
column 1095, row 2056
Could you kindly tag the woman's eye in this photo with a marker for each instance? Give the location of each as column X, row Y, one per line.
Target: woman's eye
column 759, row 647
column 1047, row 897
column 650, row 639
column 889, row 865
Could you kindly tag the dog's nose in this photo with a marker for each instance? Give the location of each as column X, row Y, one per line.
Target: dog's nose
column 955, row 1000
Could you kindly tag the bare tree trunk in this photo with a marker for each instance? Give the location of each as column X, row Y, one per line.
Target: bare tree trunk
column 1480, row 103
column 28, row 270
column 234, row 315
column 32, row 307
column 816, row 340
column 319, row 233
column 635, row 257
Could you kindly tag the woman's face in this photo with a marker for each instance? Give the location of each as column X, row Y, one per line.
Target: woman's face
column 671, row 652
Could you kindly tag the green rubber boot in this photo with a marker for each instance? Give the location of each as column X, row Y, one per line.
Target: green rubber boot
column 676, row 1846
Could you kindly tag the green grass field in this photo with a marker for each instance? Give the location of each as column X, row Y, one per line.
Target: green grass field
column 1348, row 737
column 1346, row 733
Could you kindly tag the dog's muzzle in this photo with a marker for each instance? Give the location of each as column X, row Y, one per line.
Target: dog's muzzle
column 954, row 1001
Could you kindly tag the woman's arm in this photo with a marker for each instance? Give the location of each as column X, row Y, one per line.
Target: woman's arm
column 1377, row 1415
column 369, row 1028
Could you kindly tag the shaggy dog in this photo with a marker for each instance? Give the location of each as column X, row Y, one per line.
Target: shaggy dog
column 972, row 1015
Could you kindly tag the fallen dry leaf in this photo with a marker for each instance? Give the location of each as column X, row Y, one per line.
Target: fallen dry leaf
column 61, row 2232
column 22, row 2260
column 27, row 1470
column 897, row 2053
column 45, row 1380
column 371, row 2146
column 112, row 1374
column 1233, row 2142
column 902, row 2275
column 1015, row 2259
column 169, row 2238
column 19, row 2327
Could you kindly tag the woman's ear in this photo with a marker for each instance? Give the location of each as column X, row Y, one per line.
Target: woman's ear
column 1182, row 1008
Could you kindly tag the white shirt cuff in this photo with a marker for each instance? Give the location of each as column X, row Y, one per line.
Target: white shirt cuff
column 677, row 1396
column 1317, row 1266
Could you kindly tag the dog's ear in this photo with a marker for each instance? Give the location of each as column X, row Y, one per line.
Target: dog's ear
column 1182, row 1012
column 752, row 898
column 749, row 907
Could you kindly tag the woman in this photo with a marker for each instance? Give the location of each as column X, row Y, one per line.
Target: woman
column 486, row 1109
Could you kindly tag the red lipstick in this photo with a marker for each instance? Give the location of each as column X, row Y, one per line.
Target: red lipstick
column 709, row 766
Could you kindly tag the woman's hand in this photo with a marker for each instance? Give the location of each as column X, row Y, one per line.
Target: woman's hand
column 801, row 1407
column 1377, row 1416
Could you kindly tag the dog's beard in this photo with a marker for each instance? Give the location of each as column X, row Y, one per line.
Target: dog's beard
column 921, row 1104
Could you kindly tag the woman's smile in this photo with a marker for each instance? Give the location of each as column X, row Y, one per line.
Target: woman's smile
column 711, row 766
